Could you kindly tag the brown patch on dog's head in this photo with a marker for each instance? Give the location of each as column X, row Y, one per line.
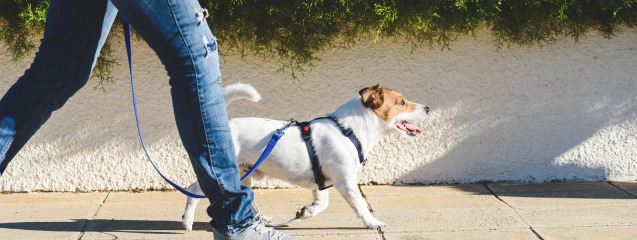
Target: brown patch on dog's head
column 386, row 103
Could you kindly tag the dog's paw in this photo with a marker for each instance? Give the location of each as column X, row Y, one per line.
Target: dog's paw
column 187, row 222
column 375, row 224
column 306, row 212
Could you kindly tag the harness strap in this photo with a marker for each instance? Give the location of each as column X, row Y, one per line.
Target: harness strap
column 306, row 133
column 349, row 133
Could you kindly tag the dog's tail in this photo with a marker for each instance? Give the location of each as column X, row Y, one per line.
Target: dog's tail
column 240, row 91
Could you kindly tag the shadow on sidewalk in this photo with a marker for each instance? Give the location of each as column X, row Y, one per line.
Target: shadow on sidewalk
column 128, row 226
column 104, row 225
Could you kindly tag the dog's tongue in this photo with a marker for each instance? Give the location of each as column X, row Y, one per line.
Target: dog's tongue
column 411, row 127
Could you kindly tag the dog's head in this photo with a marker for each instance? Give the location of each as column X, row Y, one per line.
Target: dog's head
column 393, row 108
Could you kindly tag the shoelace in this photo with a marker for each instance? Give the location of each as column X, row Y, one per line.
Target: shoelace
column 271, row 233
column 262, row 229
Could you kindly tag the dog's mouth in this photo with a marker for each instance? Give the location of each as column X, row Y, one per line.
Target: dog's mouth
column 408, row 128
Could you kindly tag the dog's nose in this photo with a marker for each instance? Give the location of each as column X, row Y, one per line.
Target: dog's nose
column 427, row 110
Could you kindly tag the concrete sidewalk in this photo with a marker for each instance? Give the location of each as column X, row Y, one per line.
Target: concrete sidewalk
column 590, row 210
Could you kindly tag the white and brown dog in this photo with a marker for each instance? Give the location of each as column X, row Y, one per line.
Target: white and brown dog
column 376, row 113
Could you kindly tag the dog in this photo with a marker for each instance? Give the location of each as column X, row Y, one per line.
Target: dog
column 373, row 114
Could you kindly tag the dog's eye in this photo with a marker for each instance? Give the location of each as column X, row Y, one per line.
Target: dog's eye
column 402, row 102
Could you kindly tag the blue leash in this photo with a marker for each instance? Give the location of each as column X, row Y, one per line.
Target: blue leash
column 276, row 135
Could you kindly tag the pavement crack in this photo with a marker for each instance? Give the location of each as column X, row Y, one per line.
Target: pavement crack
column 515, row 211
column 380, row 230
column 93, row 217
column 627, row 192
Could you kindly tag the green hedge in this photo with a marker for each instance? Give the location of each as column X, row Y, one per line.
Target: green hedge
column 293, row 31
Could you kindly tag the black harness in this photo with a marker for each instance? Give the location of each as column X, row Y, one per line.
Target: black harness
column 306, row 132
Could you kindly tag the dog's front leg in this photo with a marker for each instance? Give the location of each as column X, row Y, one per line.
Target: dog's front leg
column 191, row 205
column 321, row 200
column 352, row 194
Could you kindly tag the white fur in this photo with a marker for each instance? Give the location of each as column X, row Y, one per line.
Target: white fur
column 289, row 160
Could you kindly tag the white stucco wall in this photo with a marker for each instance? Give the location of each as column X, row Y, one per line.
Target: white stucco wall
column 523, row 114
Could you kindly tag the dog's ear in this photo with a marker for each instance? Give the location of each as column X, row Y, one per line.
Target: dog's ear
column 372, row 96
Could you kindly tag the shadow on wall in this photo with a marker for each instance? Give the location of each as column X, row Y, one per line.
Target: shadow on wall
column 562, row 112
column 552, row 128
column 566, row 111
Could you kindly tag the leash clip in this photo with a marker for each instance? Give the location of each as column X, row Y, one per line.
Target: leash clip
column 280, row 130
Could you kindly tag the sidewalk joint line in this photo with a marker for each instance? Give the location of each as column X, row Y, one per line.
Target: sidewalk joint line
column 513, row 209
column 369, row 206
column 627, row 192
column 93, row 217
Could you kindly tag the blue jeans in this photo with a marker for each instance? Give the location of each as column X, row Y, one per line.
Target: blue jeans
column 74, row 34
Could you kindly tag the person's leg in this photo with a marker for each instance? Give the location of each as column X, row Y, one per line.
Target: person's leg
column 73, row 36
column 177, row 32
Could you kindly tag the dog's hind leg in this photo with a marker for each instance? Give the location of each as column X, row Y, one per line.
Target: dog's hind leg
column 321, row 200
column 189, row 214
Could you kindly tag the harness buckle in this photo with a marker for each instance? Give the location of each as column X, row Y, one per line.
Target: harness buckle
column 348, row 132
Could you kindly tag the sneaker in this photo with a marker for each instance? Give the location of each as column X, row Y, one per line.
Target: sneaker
column 256, row 231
